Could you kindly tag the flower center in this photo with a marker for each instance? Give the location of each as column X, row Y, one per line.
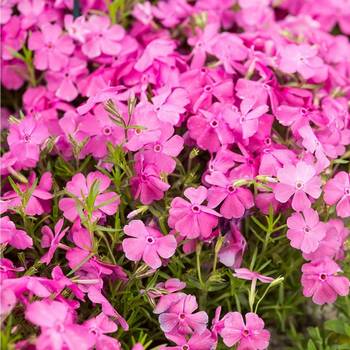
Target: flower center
column 323, row 276
column 93, row 331
column 195, row 208
column 60, row 328
column 347, row 191
column 150, row 240
column 299, row 185
column 307, row 229
column 107, row 130
column 157, row 148
column 208, row 88
column 143, row 177
column 49, row 45
column 242, row 119
column 182, row 316
column 245, row 333
column 303, row 111
column 214, row 123
column 267, row 141
column 138, row 131
column 26, row 138
column 185, row 347
column 231, row 189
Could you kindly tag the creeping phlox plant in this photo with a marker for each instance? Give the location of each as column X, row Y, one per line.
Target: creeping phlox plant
column 175, row 174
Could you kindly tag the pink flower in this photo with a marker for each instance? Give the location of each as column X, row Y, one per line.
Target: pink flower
column 12, row 37
column 58, row 331
column 337, row 190
column 169, row 104
column 147, row 244
column 31, row 11
column 246, row 274
column 147, row 184
column 249, row 335
column 304, row 60
column 305, row 230
column 245, row 120
column 25, row 140
column 51, row 241
column 63, row 82
column 233, row 248
column 235, row 199
column 297, row 181
column 197, row 341
column 105, row 203
column 180, row 317
column 51, row 47
column 10, row 235
column 98, row 327
column 103, row 38
column 321, row 281
column 192, row 219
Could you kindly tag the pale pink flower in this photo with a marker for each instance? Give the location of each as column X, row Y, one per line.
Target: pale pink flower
column 320, row 280
column 181, row 317
column 235, row 200
column 11, row 235
column 58, row 330
column 248, row 335
column 106, row 203
column 305, row 231
column 51, row 47
column 297, row 181
column 337, row 190
column 192, row 219
column 147, row 244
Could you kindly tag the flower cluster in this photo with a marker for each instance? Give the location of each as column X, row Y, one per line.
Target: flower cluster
column 145, row 145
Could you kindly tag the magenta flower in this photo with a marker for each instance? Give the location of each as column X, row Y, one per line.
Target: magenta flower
column 304, row 60
column 51, row 241
column 297, row 181
column 192, row 219
column 10, row 235
column 52, row 48
column 320, row 280
column 170, row 104
column 106, row 203
column 245, row 120
column 98, row 327
column 58, row 331
column 248, row 335
column 8, row 269
column 305, row 230
column 337, row 190
column 147, row 184
column 63, row 82
column 246, row 274
column 103, row 38
column 180, row 317
column 147, row 244
column 235, row 200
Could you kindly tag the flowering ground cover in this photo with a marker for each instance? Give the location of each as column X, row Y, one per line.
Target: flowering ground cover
column 175, row 174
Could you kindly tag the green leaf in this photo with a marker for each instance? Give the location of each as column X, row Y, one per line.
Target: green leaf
column 311, row 345
column 335, row 326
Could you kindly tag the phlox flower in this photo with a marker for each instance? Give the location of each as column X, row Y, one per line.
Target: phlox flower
column 235, row 199
column 31, row 11
column 12, row 37
column 25, row 140
column 147, row 244
column 11, row 235
column 305, row 231
column 337, row 191
column 58, row 329
column 303, row 59
column 197, row 341
column 180, row 317
column 320, row 280
column 297, row 181
column 248, row 335
column 98, row 327
column 106, row 203
column 147, row 183
column 8, row 269
column 51, row 240
column 52, row 48
column 103, row 38
column 192, row 219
